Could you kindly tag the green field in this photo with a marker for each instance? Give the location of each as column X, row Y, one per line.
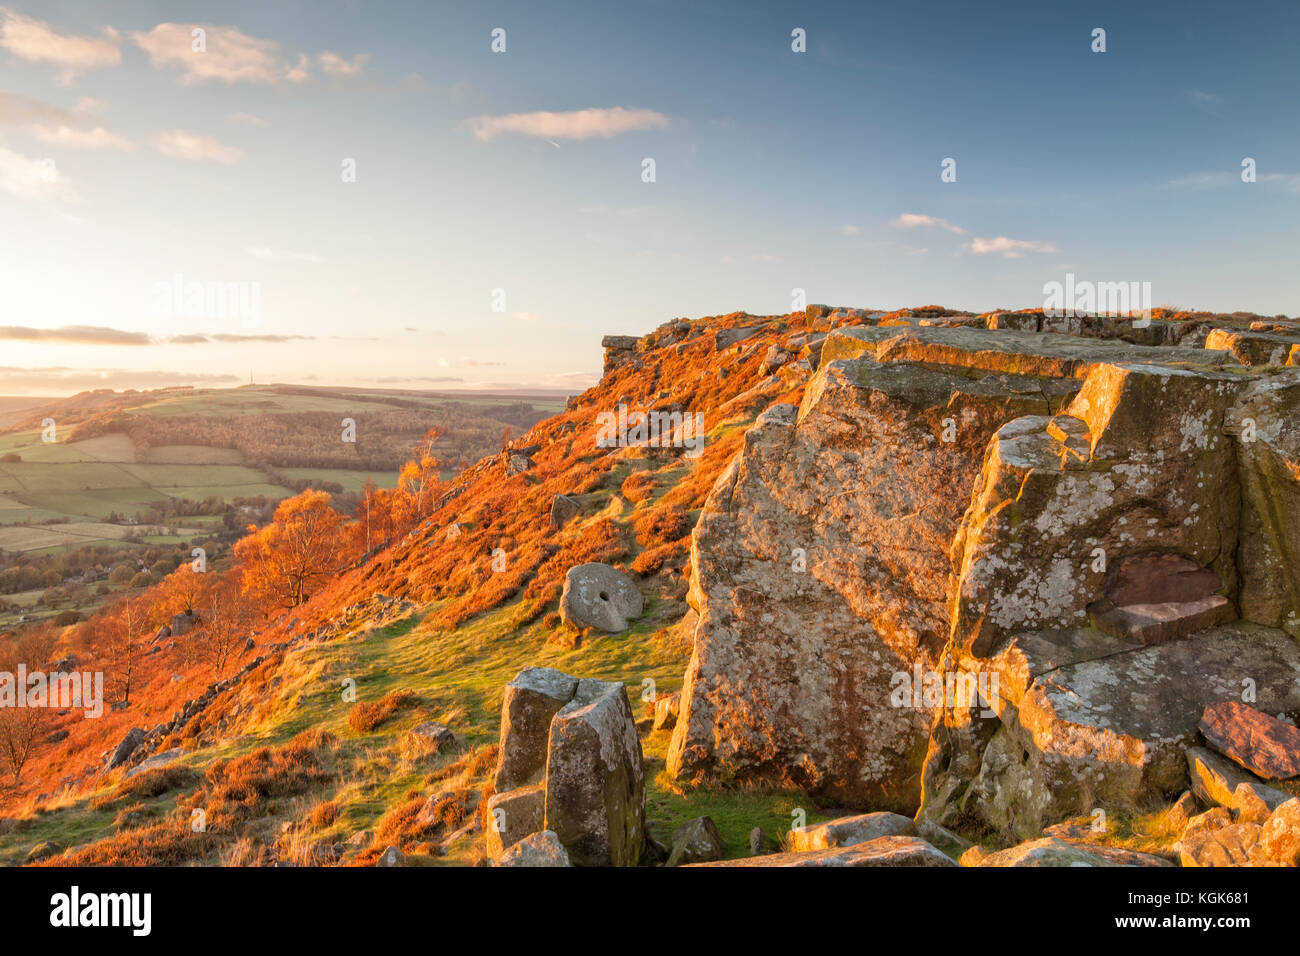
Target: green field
column 89, row 480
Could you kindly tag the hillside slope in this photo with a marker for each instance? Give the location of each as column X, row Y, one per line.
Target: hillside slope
column 843, row 521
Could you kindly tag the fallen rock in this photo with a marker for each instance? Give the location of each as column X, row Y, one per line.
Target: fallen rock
column 666, row 707
column 885, row 851
column 563, row 510
column 433, row 736
column 393, row 856
column 514, row 815
column 696, row 841
column 942, row 838
column 601, row 597
column 539, row 849
column 1264, row 745
column 760, row 842
column 846, row 831
column 1216, row 780
column 43, row 851
column 1212, row 839
column 125, row 748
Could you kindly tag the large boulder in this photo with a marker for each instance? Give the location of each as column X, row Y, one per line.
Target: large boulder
column 600, row 597
column 532, row 699
column 1216, row 780
column 595, row 785
column 569, row 763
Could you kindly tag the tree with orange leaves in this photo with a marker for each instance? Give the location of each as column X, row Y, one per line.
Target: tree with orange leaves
column 419, row 485
column 288, row 560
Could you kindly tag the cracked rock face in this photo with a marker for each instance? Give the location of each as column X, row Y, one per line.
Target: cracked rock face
column 1080, row 517
column 820, row 568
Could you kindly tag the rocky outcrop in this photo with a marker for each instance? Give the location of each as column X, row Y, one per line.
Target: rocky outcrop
column 569, row 762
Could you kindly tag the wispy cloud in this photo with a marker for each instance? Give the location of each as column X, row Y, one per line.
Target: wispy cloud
column 179, row 144
column 61, row 380
column 245, row 119
column 1207, row 102
column 847, row 230
column 912, row 220
column 1196, row 182
column 71, row 137
column 76, row 128
column 1006, row 247
column 37, row 42
column 229, row 55
column 78, row 334
column 334, row 65
column 104, row 335
column 576, row 124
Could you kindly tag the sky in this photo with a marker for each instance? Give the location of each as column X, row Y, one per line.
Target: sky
column 401, row 205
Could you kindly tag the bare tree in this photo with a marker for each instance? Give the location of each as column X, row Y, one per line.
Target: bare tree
column 20, row 728
column 224, row 628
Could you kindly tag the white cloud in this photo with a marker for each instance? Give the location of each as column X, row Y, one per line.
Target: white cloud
column 245, row 119
column 179, row 144
column 29, row 178
column 335, row 65
column 1007, row 248
column 229, row 55
column 847, row 230
column 37, row 42
column 575, row 124
column 912, row 220
column 97, row 138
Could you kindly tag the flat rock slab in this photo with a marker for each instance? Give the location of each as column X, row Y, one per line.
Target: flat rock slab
column 885, row 851
column 1049, row 851
column 1264, row 745
column 848, row 831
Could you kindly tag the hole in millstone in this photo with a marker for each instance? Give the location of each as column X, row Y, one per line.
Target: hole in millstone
column 604, row 596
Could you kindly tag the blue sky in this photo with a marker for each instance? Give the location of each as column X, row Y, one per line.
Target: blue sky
column 476, row 172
